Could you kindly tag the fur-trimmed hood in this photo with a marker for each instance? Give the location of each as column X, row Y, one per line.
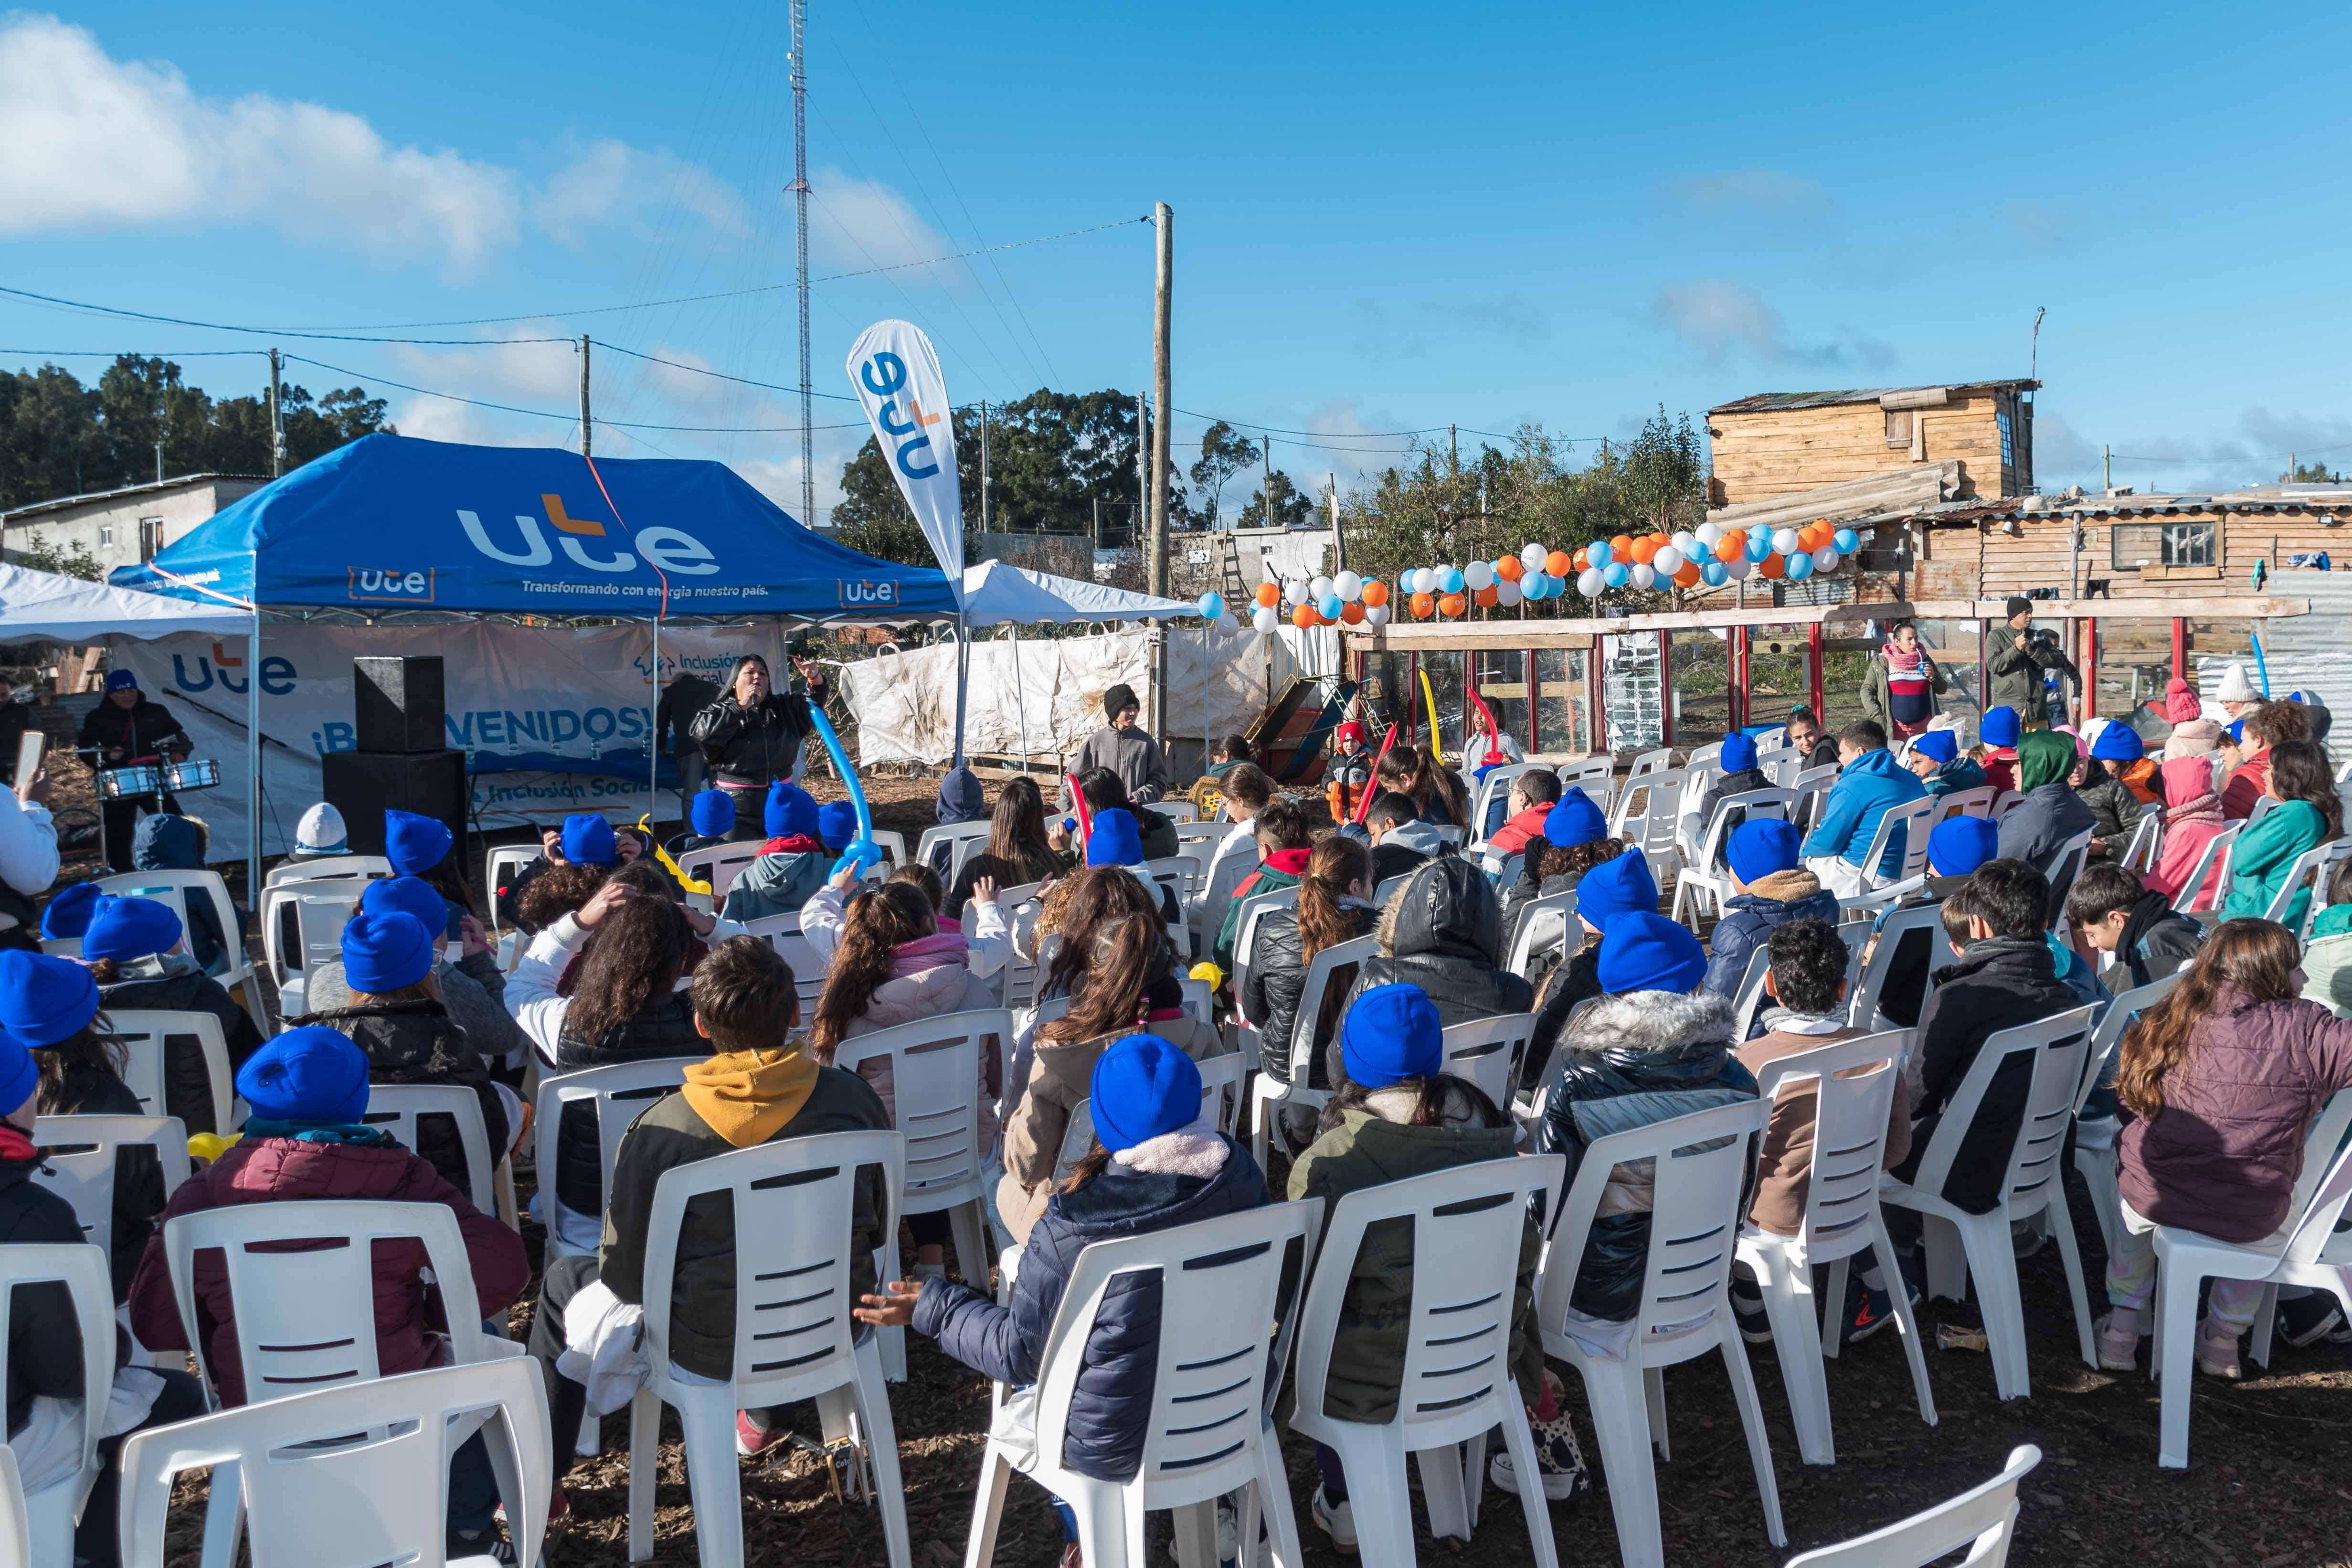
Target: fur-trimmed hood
column 1651, row 1022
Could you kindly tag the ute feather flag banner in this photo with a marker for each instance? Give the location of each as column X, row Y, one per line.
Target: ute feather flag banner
column 896, row 374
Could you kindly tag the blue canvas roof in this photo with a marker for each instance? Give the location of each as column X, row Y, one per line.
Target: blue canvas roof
column 392, row 523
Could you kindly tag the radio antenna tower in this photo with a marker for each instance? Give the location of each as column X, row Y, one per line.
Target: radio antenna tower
column 800, row 189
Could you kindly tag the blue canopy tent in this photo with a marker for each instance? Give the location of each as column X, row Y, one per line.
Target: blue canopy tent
column 390, row 525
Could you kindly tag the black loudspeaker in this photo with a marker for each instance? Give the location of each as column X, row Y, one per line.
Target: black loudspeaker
column 364, row 785
column 396, row 704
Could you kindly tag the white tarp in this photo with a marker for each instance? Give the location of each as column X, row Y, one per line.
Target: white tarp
column 905, row 702
column 995, row 592
column 44, row 607
column 564, row 698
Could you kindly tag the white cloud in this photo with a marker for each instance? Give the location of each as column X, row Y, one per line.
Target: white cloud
column 612, row 183
column 856, row 224
column 1718, row 319
column 1768, row 196
column 535, row 374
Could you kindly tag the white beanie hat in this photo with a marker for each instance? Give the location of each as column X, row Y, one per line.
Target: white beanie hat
column 2235, row 687
column 322, row 832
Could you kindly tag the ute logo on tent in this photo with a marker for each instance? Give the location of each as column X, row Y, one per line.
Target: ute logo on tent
column 666, row 549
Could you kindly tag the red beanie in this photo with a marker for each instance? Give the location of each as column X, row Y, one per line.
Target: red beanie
column 2180, row 704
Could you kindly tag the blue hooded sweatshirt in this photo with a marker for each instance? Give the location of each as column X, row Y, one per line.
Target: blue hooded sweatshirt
column 1870, row 784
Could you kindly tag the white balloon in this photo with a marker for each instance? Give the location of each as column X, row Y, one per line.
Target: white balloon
column 1708, row 534
column 1533, row 557
column 1263, row 620
column 1506, row 593
column 1479, row 574
column 1688, row 542
column 1784, row 542
column 1667, row 561
column 1319, row 589
column 1376, row 614
column 1294, row 591
column 1826, row 558
column 1644, row 576
column 1350, row 587
column 1739, row 566
column 1588, row 583
column 1225, row 622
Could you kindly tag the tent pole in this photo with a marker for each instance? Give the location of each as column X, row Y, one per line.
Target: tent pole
column 1020, row 697
column 1204, row 697
column 964, row 679
column 253, row 761
column 652, row 738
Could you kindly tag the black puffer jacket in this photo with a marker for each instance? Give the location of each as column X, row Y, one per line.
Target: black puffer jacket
column 187, row 1086
column 758, row 745
column 138, row 1195
column 141, row 731
column 416, row 1042
column 1443, row 932
column 1278, row 974
column 664, row 1028
column 1632, row 1061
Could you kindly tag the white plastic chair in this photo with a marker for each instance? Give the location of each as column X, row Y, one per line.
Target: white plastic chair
column 175, row 888
column 2005, row 801
column 358, row 1473
column 49, row 1515
column 1175, row 810
column 77, row 1164
column 318, row 908
column 892, row 844
column 794, row 1335
column 1548, row 920
column 1209, row 1431
column 2214, row 858
column 955, row 843
column 1488, row 1053
column 501, row 860
column 2314, row 865
column 1748, row 1000
column 1960, row 1245
column 1233, row 858
column 1892, row 931
column 61, row 946
column 16, row 1526
column 489, row 1180
column 935, row 1098
column 1701, row 1161
column 718, row 865
column 2094, row 1141
column 1708, row 875
column 1454, row 1381
column 620, row 1092
column 782, row 933
column 1221, row 1096
column 365, row 867
column 1982, row 1521
column 1255, row 909
column 1661, row 815
column 1266, row 1091
column 143, row 1031
column 2064, row 866
column 1912, row 818
column 1811, row 786
column 1842, row 1219
column 1864, row 907
column 1494, row 790
column 1016, row 982
column 1977, row 801
column 2146, row 841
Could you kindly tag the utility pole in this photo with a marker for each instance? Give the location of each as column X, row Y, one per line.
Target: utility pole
column 1265, row 449
column 799, row 190
column 587, row 425
column 276, row 418
column 1454, row 448
column 1142, row 462
column 983, row 465
column 2106, row 470
column 1165, row 221
column 159, row 462
column 1338, row 545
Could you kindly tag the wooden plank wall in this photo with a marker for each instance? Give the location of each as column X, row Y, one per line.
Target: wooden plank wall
column 1762, row 455
column 2039, row 556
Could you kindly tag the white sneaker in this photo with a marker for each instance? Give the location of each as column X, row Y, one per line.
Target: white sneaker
column 1336, row 1520
column 1558, row 1457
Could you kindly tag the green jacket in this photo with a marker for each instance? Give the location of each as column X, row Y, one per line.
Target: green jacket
column 2327, row 961
column 1366, row 1150
column 2259, row 860
column 1878, row 702
column 702, row 1291
column 1266, row 878
column 2014, row 679
column 1959, row 773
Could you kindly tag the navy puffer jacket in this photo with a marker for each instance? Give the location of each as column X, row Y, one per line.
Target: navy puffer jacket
column 1113, row 1398
column 1748, row 918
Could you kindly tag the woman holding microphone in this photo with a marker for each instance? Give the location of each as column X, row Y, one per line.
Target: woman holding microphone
column 751, row 736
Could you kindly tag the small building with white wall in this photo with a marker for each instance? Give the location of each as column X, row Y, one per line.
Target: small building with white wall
column 123, row 527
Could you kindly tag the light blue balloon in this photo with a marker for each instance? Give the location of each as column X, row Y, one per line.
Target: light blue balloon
column 1714, row 574
column 1213, row 605
column 1598, row 553
column 1801, row 567
column 1537, row 585
column 1616, row 572
column 1449, row 580
column 1760, row 544
column 1327, row 607
column 1846, row 541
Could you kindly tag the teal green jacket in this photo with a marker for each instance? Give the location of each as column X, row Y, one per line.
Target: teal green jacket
column 2259, row 860
column 1959, row 773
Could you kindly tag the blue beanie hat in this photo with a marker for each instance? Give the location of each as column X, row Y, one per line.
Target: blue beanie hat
column 1615, row 887
column 1961, row 843
column 409, row 895
column 1116, row 840
column 1142, row 1087
column 1642, row 951
column 413, row 842
column 1942, row 745
column 2000, row 726
column 1760, row 847
column 20, row 1076
column 1738, row 753
column 836, row 824
column 588, row 840
column 712, row 814
column 122, row 680
column 387, row 952
column 69, row 910
column 311, row 1074
column 2119, row 744
column 44, row 1000
column 1392, row 1032
column 122, row 929
column 790, row 811
column 1574, row 821
column 2236, row 730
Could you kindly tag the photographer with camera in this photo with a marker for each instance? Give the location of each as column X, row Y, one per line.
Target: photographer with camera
column 2018, row 662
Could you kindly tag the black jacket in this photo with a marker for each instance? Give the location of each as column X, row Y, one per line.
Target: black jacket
column 142, row 731
column 1277, row 975
column 44, row 1336
column 187, row 1086
column 1746, row 782
column 1749, row 920
column 664, row 1028
column 759, row 746
column 138, row 1195
column 1565, row 985
column 1998, row 983
column 1033, row 865
column 2157, row 941
column 2038, row 826
column 686, row 696
column 416, row 1042
column 1443, row 932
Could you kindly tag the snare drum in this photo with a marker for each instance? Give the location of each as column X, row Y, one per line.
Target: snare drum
column 196, row 772
column 126, row 784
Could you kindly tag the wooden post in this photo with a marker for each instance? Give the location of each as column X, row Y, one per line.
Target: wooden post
column 586, row 426
column 1160, row 379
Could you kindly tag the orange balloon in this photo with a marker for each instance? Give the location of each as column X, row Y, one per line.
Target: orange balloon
column 1269, row 595
column 1422, row 605
column 1304, row 617
column 1488, row 598
column 1451, row 604
column 1727, row 550
column 1688, row 575
column 1582, row 561
column 1620, row 547
column 1510, row 568
column 1558, row 563
column 1352, row 614
column 1376, row 593
column 1773, row 566
column 1644, row 548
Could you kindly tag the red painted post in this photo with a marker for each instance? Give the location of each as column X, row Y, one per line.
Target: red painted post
column 2179, row 648
column 1813, row 646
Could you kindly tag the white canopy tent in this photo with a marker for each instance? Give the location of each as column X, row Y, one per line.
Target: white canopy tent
column 41, row 606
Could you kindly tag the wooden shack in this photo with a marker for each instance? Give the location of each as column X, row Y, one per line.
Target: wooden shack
column 1780, row 443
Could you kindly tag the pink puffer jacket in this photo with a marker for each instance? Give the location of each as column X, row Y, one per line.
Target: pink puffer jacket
column 2223, row 1156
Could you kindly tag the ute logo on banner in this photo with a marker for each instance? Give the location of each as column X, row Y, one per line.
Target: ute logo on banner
column 666, row 548
column 895, row 374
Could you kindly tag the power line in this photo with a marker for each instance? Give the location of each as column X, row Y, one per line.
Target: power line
column 720, row 374
column 129, row 353
column 549, row 413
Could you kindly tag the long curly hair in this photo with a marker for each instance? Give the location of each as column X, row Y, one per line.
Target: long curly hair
column 631, row 960
column 2258, row 957
column 879, row 921
column 557, row 891
column 1101, row 894
column 1113, row 994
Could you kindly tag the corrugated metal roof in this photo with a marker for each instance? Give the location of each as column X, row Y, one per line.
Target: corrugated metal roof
column 1780, row 402
column 151, row 487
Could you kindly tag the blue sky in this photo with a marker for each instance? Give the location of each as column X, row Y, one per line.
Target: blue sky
column 1387, row 217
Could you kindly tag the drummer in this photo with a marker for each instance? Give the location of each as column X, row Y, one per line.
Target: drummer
column 123, row 728
column 753, row 735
